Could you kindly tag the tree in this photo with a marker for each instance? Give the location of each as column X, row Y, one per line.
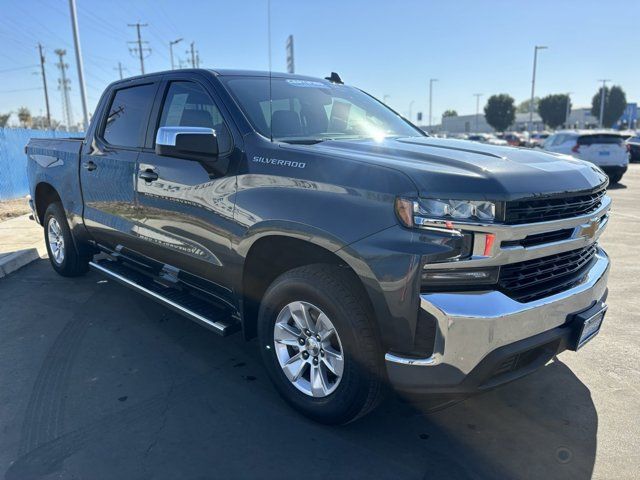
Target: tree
column 450, row 113
column 4, row 119
column 615, row 101
column 24, row 115
column 553, row 109
column 523, row 107
column 500, row 111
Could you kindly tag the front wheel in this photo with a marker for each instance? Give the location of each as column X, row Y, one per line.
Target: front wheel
column 319, row 344
column 63, row 255
column 615, row 177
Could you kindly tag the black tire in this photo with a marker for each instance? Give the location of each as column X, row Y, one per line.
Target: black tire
column 335, row 291
column 71, row 264
column 615, row 178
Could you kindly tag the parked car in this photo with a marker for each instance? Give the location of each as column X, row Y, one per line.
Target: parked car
column 633, row 144
column 606, row 149
column 536, row 140
column 359, row 250
column 513, row 139
column 486, row 138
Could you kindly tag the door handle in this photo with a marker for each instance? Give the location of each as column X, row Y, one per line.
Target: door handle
column 148, row 175
column 89, row 166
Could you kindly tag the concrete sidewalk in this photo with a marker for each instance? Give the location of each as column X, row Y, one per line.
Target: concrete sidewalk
column 21, row 242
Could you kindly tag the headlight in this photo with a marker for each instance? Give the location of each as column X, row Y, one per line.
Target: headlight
column 416, row 212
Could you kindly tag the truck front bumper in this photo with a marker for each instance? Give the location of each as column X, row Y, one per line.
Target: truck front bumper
column 484, row 339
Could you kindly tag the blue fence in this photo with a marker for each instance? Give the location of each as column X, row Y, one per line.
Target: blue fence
column 13, row 161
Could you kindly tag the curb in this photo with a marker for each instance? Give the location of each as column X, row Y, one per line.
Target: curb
column 11, row 262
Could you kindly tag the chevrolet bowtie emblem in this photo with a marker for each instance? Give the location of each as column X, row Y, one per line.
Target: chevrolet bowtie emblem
column 589, row 230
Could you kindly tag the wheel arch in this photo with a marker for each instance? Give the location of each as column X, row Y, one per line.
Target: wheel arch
column 45, row 195
column 273, row 254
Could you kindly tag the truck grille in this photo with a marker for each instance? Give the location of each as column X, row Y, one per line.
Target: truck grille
column 541, row 277
column 552, row 208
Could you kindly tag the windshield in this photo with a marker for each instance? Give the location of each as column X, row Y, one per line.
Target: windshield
column 309, row 111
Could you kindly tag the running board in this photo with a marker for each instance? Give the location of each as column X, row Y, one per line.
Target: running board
column 217, row 319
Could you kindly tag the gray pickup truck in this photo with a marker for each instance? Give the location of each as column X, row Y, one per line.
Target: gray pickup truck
column 358, row 250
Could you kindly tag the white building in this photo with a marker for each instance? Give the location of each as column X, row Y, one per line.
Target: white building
column 579, row 118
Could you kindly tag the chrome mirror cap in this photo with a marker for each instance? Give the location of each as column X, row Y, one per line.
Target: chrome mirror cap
column 168, row 135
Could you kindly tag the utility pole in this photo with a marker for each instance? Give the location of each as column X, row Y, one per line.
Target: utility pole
column 76, row 42
column 140, row 50
column 291, row 66
column 119, row 69
column 44, row 82
column 431, row 80
column 533, row 82
column 63, row 86
column 171, row 44
column 477, row 95
column 602, row 99
column 193, row 54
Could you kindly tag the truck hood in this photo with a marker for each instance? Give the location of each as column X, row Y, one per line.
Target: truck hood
column 467, row 170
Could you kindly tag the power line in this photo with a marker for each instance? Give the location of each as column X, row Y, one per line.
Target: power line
column 28, row 67
column 140, row 50
column 21, row 90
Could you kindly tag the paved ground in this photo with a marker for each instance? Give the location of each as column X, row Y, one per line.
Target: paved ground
column 21, row 242
column 99, row 382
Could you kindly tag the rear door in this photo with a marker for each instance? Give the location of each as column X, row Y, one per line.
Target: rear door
column 185, row 214
column 603, row 149
column 108, row 164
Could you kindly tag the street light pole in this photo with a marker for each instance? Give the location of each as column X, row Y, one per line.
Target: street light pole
column 533, row 83
column 431, row 80
column 76, row 42
column 604, row 85
column 171, row 44
column 568, row 111
column 477, row 95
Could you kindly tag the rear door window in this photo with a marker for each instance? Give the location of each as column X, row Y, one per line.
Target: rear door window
column 128, row 115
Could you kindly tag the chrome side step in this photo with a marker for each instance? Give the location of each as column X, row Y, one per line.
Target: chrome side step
column 217, row 319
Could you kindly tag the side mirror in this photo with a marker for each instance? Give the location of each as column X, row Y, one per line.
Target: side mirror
column 191, row 143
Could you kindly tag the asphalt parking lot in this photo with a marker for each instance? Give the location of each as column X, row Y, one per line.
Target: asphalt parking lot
column 99, row 382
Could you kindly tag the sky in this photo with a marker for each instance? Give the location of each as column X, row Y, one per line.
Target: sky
column 387, row 48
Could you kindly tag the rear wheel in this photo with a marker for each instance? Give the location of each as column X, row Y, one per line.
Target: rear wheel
column 319, row 345
column 63, row 255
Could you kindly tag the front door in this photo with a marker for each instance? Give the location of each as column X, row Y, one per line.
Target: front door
column 185, row 207
column 108, row 165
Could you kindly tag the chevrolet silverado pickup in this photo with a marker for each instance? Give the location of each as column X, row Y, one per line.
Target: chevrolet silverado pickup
column 358, row 250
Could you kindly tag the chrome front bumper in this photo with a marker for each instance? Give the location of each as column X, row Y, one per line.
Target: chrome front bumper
column 472, row 325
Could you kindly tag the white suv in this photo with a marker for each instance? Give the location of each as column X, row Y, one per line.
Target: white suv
column 606, row 149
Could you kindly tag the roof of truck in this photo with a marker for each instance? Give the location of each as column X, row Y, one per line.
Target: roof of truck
column 224, row 72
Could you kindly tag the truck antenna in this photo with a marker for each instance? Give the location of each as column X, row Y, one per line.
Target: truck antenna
column 335, row 78
column 270, row 90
